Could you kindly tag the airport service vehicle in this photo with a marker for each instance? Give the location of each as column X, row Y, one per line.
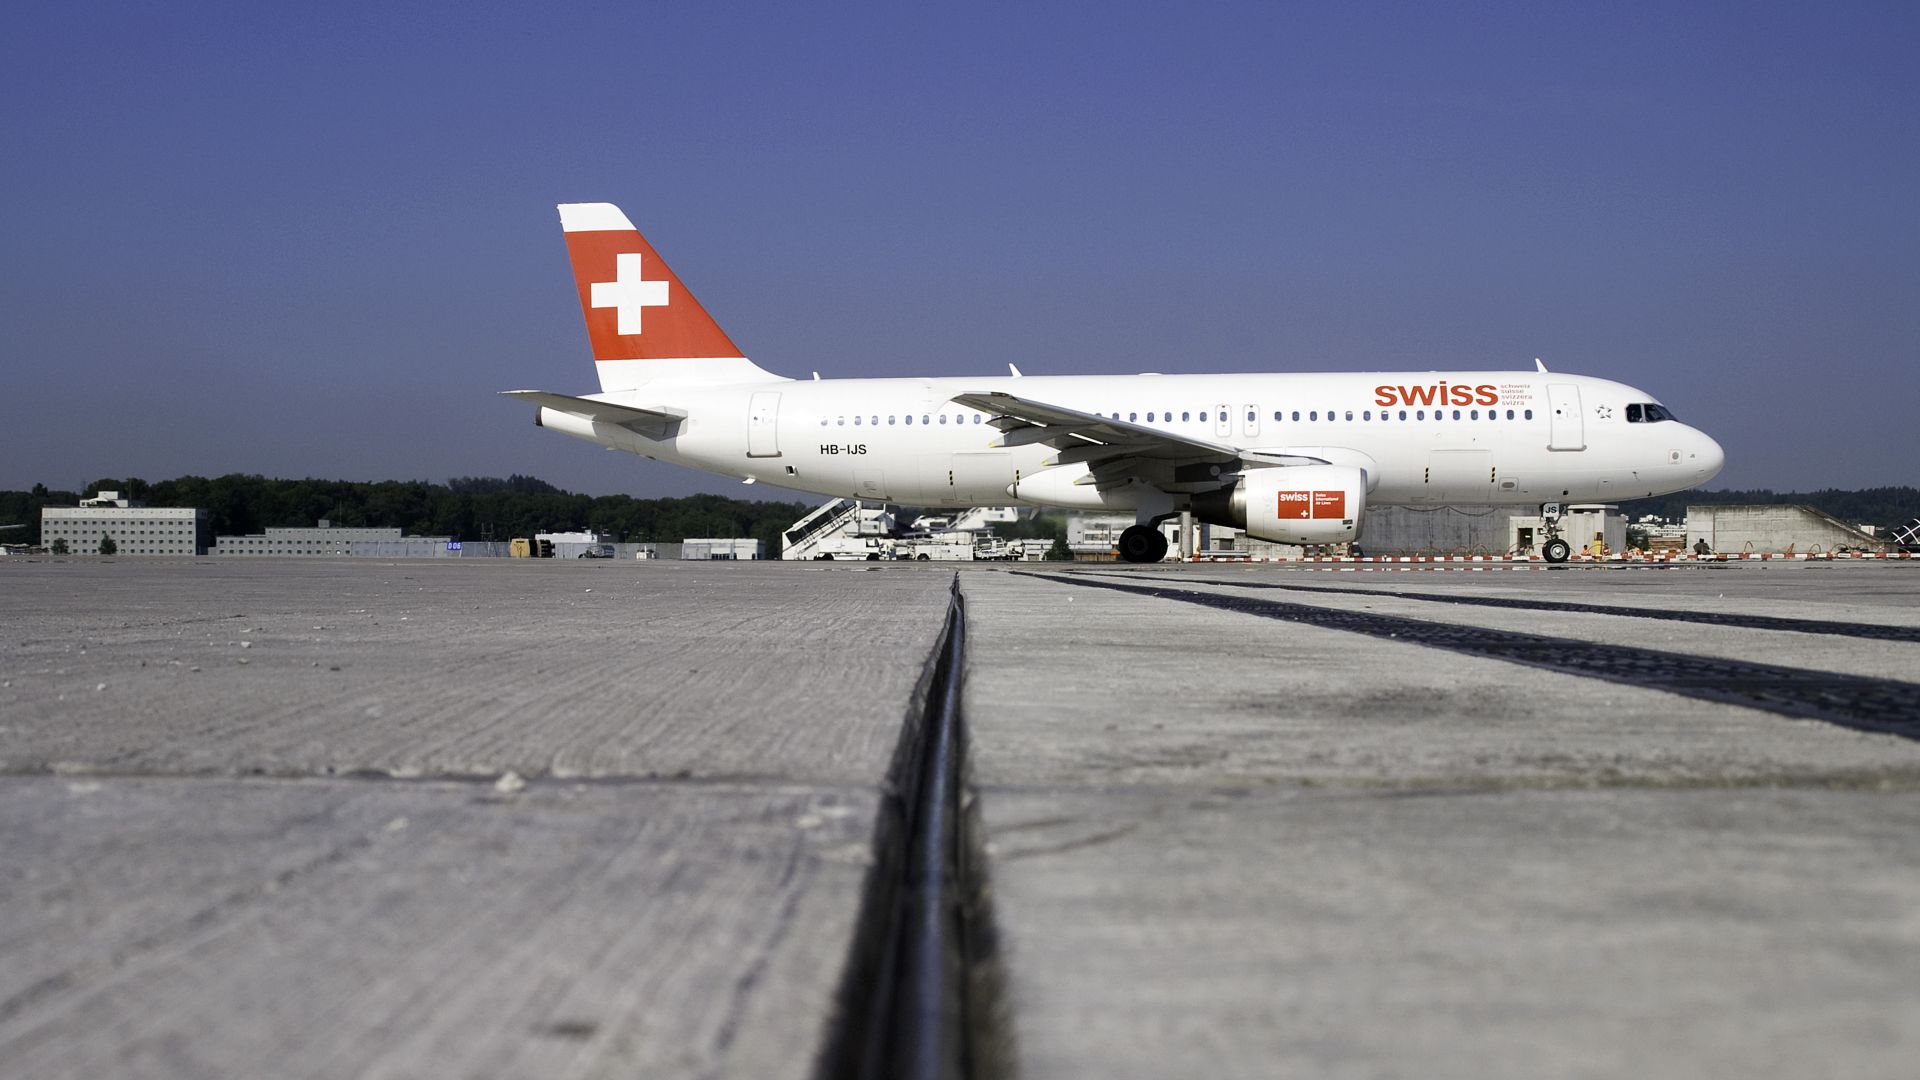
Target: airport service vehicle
column 938, row 549
column 1294, row 458
column 858, row 548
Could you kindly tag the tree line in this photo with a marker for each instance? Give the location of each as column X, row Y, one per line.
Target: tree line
column 464, row 508
column 492, row 508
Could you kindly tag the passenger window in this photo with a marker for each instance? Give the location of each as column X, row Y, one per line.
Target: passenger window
column 1403, row 414
column 1276, row 415
column 943, row 418
column 1149, row 418
column 840, row 421
column 1296, row 416
column 1509, row 414
column 1314, row 415
column 977, row 418
column 890, row 421
column 1474, row 415
column 1529, row 414
column 1349, row 414
column 1365, row 414
column 1456, row 414
column 856, row 421
column 1186, row 416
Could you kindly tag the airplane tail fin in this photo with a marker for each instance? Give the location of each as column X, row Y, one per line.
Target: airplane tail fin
column 645, row 327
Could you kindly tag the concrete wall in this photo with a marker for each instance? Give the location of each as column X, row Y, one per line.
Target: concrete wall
column 1774, row 528
column 1445, row 530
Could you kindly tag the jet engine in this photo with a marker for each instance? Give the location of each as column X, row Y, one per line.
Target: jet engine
column 1291, row 504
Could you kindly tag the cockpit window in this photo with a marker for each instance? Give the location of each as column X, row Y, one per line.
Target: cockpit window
column 1648, row 413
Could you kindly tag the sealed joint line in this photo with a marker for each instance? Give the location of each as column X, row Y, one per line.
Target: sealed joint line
column 1851, row 701
column 1870, row 631
column 904, row 999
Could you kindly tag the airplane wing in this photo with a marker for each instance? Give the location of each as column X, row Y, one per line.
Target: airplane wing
column 1083, row 436
column 654, row 422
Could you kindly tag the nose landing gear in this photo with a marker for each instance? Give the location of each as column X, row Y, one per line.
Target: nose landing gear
column 1556, row 549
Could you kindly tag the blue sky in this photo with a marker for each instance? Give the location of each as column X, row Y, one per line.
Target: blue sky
column 315, row 241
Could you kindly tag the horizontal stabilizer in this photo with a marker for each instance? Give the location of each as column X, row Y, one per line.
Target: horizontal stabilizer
column 653, row 422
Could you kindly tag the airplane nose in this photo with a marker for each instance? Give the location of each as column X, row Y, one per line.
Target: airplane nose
column 1709, row 458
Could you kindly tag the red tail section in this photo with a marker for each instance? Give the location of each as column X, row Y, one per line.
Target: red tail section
column 635, row 306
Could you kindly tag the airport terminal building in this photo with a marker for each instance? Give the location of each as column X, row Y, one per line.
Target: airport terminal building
column 136, row 529
column 300, row 540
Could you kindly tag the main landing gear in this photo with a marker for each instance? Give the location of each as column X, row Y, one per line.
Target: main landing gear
column 1142, row 544
column 1555, row 550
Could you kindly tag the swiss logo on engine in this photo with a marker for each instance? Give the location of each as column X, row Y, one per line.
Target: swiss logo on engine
column 1311, row 505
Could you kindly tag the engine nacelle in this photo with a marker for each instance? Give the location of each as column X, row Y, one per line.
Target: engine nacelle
column 1291, row 504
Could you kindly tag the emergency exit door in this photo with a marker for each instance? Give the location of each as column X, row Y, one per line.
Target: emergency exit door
column 763, row 419
column 1568, row 428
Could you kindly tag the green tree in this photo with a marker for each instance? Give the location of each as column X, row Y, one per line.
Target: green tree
column 59, row 545
column 1059, row 552
column 107, row 546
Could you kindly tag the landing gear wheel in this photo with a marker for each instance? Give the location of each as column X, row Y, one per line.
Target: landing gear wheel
column 1556, row 550
column 1142, row 544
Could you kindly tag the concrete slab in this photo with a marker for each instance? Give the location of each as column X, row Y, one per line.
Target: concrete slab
column 674, row 893
column 1223, row 845
column 1089, row 686
column 1824, row 652
column 1863, row 591
column 1875, row 592
column 211, row 927
column 1297, row 932
column 1218, row 844
column 571, row 669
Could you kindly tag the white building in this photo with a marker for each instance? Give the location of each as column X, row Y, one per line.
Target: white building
column 719, row 549
column 323, row 540
column 136, row 529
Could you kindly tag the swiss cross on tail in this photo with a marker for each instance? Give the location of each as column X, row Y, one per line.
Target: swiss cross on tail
column 635, row 306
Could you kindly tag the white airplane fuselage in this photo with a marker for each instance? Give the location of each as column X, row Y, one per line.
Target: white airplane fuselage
column 1291, row 458
column 1548, row 437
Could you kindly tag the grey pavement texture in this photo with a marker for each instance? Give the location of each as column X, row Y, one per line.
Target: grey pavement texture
column 257, row 819
column 255, row 823
column 1227, row 846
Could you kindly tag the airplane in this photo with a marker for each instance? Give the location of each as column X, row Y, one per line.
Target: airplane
column 1294, row 458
